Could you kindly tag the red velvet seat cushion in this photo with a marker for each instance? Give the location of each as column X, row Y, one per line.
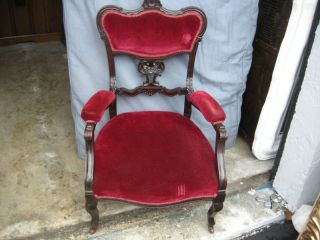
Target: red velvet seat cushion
column 153, row 158
column 151, row 33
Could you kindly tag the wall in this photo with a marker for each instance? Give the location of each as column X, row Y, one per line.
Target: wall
column 298, row 177
column 30, row 20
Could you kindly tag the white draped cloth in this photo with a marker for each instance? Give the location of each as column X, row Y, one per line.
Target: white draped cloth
column 222, row 63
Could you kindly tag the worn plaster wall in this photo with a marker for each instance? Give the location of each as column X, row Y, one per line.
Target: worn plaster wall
column 298, row 177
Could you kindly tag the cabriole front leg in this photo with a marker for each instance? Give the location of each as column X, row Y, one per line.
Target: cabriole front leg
column 217, row 205
column 213, row 210
column 91, row 207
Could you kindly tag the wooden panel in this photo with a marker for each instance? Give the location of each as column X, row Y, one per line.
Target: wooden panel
column 272, row 23
column 55, row 16
column 21, row 16
column 47, row 16
column 39, row 18
column 5, row 21
column 21, row 19
column 46, row 37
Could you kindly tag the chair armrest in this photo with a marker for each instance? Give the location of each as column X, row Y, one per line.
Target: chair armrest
column 214, row 114
column 208, row 106
column 94, row 109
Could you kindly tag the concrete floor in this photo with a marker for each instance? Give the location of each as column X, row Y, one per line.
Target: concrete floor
column 40, row 173
column 182, row 222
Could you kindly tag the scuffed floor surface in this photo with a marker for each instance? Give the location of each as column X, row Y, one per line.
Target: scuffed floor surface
column 181, row 222
column 241, row 213
column 40, row 174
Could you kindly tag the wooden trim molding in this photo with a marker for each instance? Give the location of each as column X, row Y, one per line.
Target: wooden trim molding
column 46, row 37
column 30, row 21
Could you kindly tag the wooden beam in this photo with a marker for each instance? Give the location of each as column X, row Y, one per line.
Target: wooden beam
column 46, row 37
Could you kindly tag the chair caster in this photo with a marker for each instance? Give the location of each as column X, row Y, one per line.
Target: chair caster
column 91, row 207
column 215, row 207
column 92, row 231
column 211, row 229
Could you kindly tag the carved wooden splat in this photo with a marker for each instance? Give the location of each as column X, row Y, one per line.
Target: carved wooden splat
column 151, row 69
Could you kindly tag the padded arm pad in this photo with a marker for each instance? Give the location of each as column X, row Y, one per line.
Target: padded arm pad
column 208, row 106
column 96, row 106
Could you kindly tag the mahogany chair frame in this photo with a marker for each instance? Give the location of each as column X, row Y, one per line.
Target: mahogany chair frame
column 152, row 68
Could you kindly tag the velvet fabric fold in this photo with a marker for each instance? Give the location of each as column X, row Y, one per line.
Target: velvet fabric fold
column 94, row 109
column 208, row 106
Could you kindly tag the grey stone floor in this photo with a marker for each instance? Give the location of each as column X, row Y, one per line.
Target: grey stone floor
column 40, row 174
column 240, row 213
column 184, row 221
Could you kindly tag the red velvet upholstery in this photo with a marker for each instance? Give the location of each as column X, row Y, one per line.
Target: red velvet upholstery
column 153, row 158
column 96, row 106
column 208, row 106
column 151, row 33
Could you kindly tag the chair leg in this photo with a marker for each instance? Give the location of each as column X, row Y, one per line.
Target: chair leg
column 213, row 210
column 91, row 207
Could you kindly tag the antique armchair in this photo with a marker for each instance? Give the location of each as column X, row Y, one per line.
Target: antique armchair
column 153, row 158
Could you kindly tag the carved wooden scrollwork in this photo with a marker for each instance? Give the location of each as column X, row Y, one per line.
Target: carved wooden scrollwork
column 151, row 4
column 151, row 69
column 151, row 90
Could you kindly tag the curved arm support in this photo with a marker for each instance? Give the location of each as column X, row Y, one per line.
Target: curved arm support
column 89, row 139
column 208, row 106
column 94, row 109
column 221, row 137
